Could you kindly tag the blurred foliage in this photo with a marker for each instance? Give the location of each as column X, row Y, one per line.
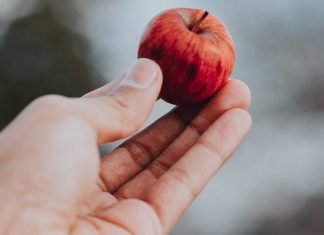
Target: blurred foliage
column 38, row 56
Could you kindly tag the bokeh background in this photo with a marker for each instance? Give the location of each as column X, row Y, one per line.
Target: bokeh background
column 274, row 184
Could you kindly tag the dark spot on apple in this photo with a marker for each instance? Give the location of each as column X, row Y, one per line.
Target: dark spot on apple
column 156, row 53
column 218, row 68
column 192, row 72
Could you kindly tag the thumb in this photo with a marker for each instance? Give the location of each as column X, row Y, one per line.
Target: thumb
column 124, row 106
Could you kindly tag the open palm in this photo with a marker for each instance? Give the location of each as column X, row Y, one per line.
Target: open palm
column 60, row 186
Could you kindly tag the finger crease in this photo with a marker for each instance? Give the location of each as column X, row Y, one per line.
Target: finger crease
column 156, row 208
column 201, row 127
column 119, row 225
column 183, row 178
column 212, row 148
column 140, row 153
column 181, row 118
column 89, row 221
column 158, row 168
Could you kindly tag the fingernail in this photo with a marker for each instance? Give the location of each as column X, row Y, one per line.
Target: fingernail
column 141, row 75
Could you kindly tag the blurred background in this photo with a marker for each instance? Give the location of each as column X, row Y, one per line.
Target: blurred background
column 274, row 184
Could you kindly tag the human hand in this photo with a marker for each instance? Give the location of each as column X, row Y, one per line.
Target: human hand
column 53, row 181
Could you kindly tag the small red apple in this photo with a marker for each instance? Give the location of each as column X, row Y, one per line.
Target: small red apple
column 194, row 50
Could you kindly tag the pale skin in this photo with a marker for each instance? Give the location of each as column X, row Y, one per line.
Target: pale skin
column 53, row 182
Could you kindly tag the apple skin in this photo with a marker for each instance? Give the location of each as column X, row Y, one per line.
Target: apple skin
column 195, row 65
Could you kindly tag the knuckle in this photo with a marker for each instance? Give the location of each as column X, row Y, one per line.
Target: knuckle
column 213, row 149
column 122, row 102
column 141, row 152
column 55, row 109
column 52, row 105
column 184, row 179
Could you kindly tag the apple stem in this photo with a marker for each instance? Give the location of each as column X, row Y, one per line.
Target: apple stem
column 195, row 27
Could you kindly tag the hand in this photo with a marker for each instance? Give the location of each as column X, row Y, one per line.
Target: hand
column 53, row 181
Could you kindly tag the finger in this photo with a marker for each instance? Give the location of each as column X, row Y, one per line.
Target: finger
column 132, row 217
column 132, row 156
column 53, row 123
column 116, row 114
column 104, row 90
column 235, row 94
column 177, row 188
column 124, row 110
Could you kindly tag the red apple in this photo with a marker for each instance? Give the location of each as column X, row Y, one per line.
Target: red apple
column 194, row 50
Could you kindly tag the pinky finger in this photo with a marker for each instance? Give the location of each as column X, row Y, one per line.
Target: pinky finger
column 177, row 188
